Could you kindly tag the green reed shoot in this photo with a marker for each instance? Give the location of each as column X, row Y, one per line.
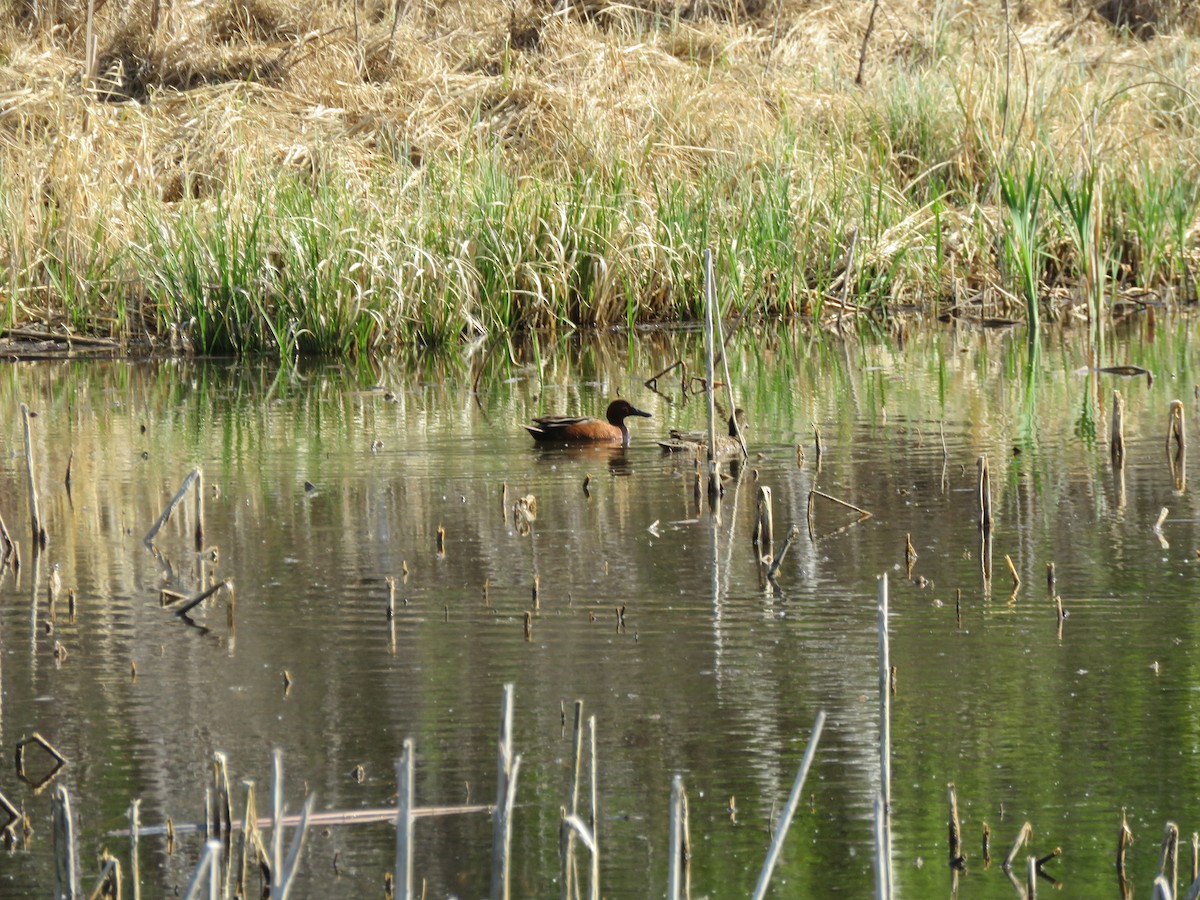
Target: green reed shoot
column 1021, row 196
column 1077, row 202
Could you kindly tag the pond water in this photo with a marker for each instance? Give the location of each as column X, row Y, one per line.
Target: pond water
column 321, row 483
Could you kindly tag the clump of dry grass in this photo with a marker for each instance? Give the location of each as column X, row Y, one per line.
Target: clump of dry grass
column 530, row 163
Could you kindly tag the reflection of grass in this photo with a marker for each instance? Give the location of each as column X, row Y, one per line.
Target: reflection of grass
column 477, row 168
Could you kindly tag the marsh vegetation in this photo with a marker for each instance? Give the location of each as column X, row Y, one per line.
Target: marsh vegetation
column 250, row 176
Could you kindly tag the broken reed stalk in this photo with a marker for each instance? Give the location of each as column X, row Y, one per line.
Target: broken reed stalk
column 985, row 495
column 192, row 478
column 1117, row 434
column 6, row 544
column 572, row 826
column 710, row 301
column 204, row 595
column 1193, row 891
column 1168, row 857
column 652, row 381
column 568, row 849
column 764, row 524
column 792, row 534
column 89, row 46
column 207, row 871
column 276, row 814
column 292, row 866
column 1012, row 570
column 65, row 865
column 36, row 738
column 198, row 496
column 109, row 885
column 35, row 519
column 1175, row 430
column 885, row 709
column 858, row 509
column 593, row 813
column 881, row 876
column 249, row 841
column 1031, row 879
column 789, row 810
column 135, row 870
column 1125, row 838
column 53, row 589
column 566, row 855
column 685, row 850
column 1023, row 837
column 956, row 855
column 737, row 428
column 223, row 808
column 507, row 767
column 1053, row 854
column 987, row 845
column 405, row 768
column 675, row 841
column 885, row 731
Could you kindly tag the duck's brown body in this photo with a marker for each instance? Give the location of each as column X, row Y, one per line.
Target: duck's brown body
column 697, row 441
column 586, row 429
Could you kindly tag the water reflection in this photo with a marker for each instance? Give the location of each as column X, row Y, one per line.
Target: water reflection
column 649, row 608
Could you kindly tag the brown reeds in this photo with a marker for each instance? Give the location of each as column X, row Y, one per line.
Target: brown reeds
column 284, row 61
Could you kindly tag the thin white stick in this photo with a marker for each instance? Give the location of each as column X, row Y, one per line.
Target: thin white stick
column 785, row 820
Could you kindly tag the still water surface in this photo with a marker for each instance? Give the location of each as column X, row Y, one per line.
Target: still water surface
column 321, row 483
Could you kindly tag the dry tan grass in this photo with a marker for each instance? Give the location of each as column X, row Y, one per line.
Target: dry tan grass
column 221, row 94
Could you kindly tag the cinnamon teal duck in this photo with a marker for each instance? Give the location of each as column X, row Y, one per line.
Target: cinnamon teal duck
column 587, row 429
